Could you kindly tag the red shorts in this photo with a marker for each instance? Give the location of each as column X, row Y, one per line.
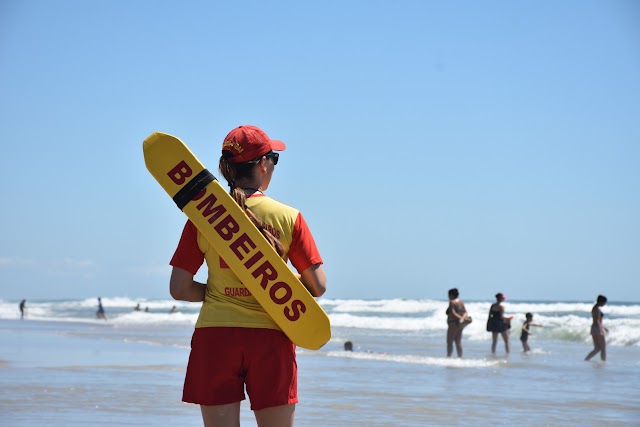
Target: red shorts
column 223, row 360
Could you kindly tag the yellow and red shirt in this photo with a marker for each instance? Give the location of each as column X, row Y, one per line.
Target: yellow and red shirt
column 227, row 301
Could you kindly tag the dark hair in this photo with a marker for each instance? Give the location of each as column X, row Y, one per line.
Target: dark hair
column 602, row 299
column 234, row 171
column 454, row 292
column 528, row 315
column 499, row 296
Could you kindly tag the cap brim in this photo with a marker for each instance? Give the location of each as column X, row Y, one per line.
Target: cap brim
column 277, row 145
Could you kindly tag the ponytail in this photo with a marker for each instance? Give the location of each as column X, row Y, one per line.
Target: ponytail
column 232, row 171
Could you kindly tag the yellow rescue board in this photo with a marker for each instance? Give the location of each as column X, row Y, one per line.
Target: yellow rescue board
column 219, row 218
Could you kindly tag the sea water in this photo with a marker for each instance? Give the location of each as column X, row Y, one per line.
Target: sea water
column 63, row 366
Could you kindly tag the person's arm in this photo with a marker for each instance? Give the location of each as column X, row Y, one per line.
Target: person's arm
column 465, row 313
column 314, row 279
column 596, row 316
column 183, row 288
column 596, row 313
column 455, row 312
column 504, row 316
column 186, row 261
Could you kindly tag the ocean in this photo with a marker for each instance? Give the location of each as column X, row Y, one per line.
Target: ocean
column 63, row 367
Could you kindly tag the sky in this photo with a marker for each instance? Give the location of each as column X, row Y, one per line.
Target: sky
column 492, row 146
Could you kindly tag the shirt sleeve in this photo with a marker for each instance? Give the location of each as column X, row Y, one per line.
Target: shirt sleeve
column 303, row 252
column 188, row 255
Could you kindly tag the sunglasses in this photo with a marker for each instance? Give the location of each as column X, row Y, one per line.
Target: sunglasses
column 273, row 156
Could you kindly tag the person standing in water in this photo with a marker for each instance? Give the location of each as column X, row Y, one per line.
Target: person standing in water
column 598, row 330
column 497, row 323
column 236, row 345
column 100, row 313
column 456, row 321
column 22, row 308
column 524, row 336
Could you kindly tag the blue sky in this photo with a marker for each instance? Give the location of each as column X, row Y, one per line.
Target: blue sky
column 487, row 145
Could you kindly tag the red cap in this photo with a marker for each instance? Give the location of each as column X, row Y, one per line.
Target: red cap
column 246, row 143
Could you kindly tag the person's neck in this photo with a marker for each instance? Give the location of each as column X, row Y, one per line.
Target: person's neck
column 246, row 182
column 251, row 191
column 249, row 187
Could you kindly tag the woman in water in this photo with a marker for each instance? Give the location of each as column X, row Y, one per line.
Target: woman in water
column 456, row 316
column 598, row 330
column 236, row 346
column 498, row 324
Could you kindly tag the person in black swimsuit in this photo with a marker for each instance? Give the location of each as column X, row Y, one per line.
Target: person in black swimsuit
column 524, row 336
column 498, row 324
column 100, row 313
column 22, row 308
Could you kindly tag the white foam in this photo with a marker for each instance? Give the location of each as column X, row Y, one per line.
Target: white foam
column 383, row 306
column 384, row 323
column 565, row 321
column 419, row 360
column 151, row 318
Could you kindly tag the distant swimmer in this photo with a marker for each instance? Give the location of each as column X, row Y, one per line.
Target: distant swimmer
column 100, row 313
column 137, row 307
column 598, row 330
column 146, row 309
column 348, row 346
column 22, row 308
column 524, row 336
column 173, row 309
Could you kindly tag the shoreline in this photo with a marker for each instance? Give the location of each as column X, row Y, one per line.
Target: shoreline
column 81, row 373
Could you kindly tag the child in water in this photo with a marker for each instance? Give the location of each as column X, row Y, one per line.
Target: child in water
column 524, row 337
